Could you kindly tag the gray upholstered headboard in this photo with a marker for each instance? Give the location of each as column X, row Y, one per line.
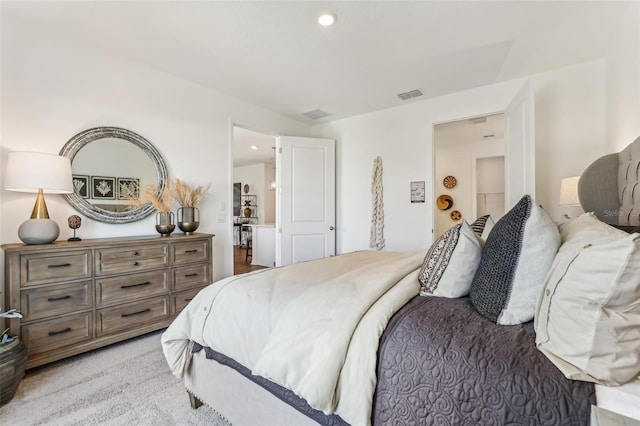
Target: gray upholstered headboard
column 609, row 187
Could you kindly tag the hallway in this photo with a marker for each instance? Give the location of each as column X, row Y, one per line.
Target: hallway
column 240, row 265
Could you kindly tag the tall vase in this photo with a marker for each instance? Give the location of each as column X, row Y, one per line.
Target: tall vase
column 188, row 219
column 165, row 223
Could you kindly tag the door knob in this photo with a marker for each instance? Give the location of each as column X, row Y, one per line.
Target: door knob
column 331, row 228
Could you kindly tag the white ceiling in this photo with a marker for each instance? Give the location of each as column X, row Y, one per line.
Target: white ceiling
column 274, row 54
column 475, row 129
column 243, row 152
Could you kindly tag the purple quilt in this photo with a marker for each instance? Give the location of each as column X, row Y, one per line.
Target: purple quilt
column 441, row 363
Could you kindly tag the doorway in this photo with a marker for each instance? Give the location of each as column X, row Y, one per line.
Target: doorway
column 254, row 205
column 490, row 187
column 467, row 162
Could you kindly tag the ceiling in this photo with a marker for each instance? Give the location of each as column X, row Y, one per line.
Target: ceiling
column 243, row 152
column 275, row 55
column 473, row 129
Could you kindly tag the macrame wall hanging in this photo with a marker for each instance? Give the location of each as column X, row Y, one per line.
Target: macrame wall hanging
column 377, row 213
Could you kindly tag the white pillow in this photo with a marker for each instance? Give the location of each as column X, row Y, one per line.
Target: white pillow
column 450, row 263
column 588, row 316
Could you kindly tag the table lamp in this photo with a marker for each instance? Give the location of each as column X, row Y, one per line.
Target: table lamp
column 39, row 173
column 569, row 191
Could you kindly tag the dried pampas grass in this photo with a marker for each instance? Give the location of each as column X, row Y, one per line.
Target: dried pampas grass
column 186, row 195
column 141, row 195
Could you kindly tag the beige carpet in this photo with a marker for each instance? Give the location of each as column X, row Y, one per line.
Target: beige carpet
column 128, row 383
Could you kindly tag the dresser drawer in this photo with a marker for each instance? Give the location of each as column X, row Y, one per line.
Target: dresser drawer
column 133, row 258
column 131, row 287
column 190, row 251
column 190, row 276
column 51, row 267
column 56, row 333
column 131, row 315
column 59, row 299
column 181, row 299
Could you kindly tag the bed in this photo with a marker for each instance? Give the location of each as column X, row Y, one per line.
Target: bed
column 441, row 336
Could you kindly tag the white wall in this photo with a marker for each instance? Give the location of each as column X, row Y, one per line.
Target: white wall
column 623, row 82
column 457, row 158
column 570, row 133
column 269, row 194
column 53, row 87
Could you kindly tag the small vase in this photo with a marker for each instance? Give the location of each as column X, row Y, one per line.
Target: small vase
column 247, row 212
column 164, row 223
column 188, row 219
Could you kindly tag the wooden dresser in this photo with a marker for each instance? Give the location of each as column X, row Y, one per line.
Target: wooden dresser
column 81, row 295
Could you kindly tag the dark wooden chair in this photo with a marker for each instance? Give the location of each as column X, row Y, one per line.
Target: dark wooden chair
column 248, row 242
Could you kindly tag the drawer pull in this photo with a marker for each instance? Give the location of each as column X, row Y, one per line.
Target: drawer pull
column 135, row 253
column 195, row 274
column 191, row 251
column 135, row 285
column 188, row 300
column 53, row 333
column 55, row 299
column 135, row 263
column 60, row 265
column 135, row 313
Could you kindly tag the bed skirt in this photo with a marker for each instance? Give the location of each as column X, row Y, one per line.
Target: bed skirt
column 237, row 398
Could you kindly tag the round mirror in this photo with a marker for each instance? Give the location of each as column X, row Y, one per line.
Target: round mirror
column 109, row 165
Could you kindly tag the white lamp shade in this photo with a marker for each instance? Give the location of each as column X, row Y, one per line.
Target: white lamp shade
column 30, row 171
column 569, row 191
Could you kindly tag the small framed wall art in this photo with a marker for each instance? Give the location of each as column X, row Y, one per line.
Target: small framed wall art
column 81, row 185
column 417, row 192
column 128, row 189
column 103, row 188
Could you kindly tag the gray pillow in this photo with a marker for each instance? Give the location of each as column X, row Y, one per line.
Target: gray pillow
column 515, row 260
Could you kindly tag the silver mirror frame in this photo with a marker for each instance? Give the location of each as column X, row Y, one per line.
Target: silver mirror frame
column 77, row 142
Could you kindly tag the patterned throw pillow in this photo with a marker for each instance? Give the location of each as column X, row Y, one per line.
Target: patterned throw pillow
column 515, row 260
column 451, row 263
column 479, row 224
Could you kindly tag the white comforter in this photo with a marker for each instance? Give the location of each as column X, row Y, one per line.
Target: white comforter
column 312, row 327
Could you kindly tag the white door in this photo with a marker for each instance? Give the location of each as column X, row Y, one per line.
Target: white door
column 305, row 199
column 520, row 148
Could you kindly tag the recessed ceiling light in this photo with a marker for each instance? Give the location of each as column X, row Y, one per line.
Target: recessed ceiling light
column 254, row 147
column 327, row 19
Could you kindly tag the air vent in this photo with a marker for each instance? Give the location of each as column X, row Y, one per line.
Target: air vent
column 478, row 120
column 411, row 94
column 316, row 114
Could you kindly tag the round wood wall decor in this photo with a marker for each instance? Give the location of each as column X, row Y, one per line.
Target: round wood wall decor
column 449, row 182
column 455, row 215
column 444, row 202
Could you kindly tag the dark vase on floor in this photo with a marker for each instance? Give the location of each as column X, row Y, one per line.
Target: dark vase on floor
column 13, row 358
